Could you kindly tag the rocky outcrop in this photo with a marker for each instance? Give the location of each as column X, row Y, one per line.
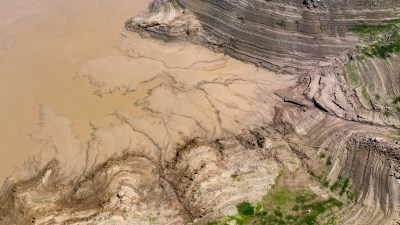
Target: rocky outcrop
column 285, row 36
column 307, row 38
column 206, row 178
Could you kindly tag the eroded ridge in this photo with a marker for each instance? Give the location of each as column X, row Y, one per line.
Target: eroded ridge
column 285, row 36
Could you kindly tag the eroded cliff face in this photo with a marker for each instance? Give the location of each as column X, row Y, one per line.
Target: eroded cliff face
column 208, row 132
column 285, row 36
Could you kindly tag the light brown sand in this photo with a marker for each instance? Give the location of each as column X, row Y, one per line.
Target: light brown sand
column 41, row 44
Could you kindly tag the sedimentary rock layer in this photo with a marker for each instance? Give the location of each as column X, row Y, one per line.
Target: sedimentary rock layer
column 284, row 36
column 306, row 38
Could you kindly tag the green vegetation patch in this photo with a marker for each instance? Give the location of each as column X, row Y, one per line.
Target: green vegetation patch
column 365, row 95
column 329, row 161
column 316, row 208
column 305, row 196
column 277, row 179
column 245, row 209
column 335, row 186
column 379, row 39
column 212, row 223
column 352, row 73
column 366, row 29
column 344, row 186
column 284, row 206
column 396, row 100
column 386, row 113
column 279, row 197
column 353, row 196
column 278, row 213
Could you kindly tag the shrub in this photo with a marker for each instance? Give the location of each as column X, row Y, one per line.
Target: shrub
column 245, row 209
column 329, row 161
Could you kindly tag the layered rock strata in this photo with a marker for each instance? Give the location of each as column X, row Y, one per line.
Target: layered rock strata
column 283, row 36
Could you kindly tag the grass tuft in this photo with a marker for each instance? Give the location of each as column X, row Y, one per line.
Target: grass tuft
column 396, row 100
column 329, row 161
column 335, row 186
column 345, row 184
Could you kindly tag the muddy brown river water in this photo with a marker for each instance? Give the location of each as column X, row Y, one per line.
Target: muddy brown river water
column 41, row 44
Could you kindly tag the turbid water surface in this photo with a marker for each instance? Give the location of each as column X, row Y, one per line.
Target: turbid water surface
column 42, row 43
